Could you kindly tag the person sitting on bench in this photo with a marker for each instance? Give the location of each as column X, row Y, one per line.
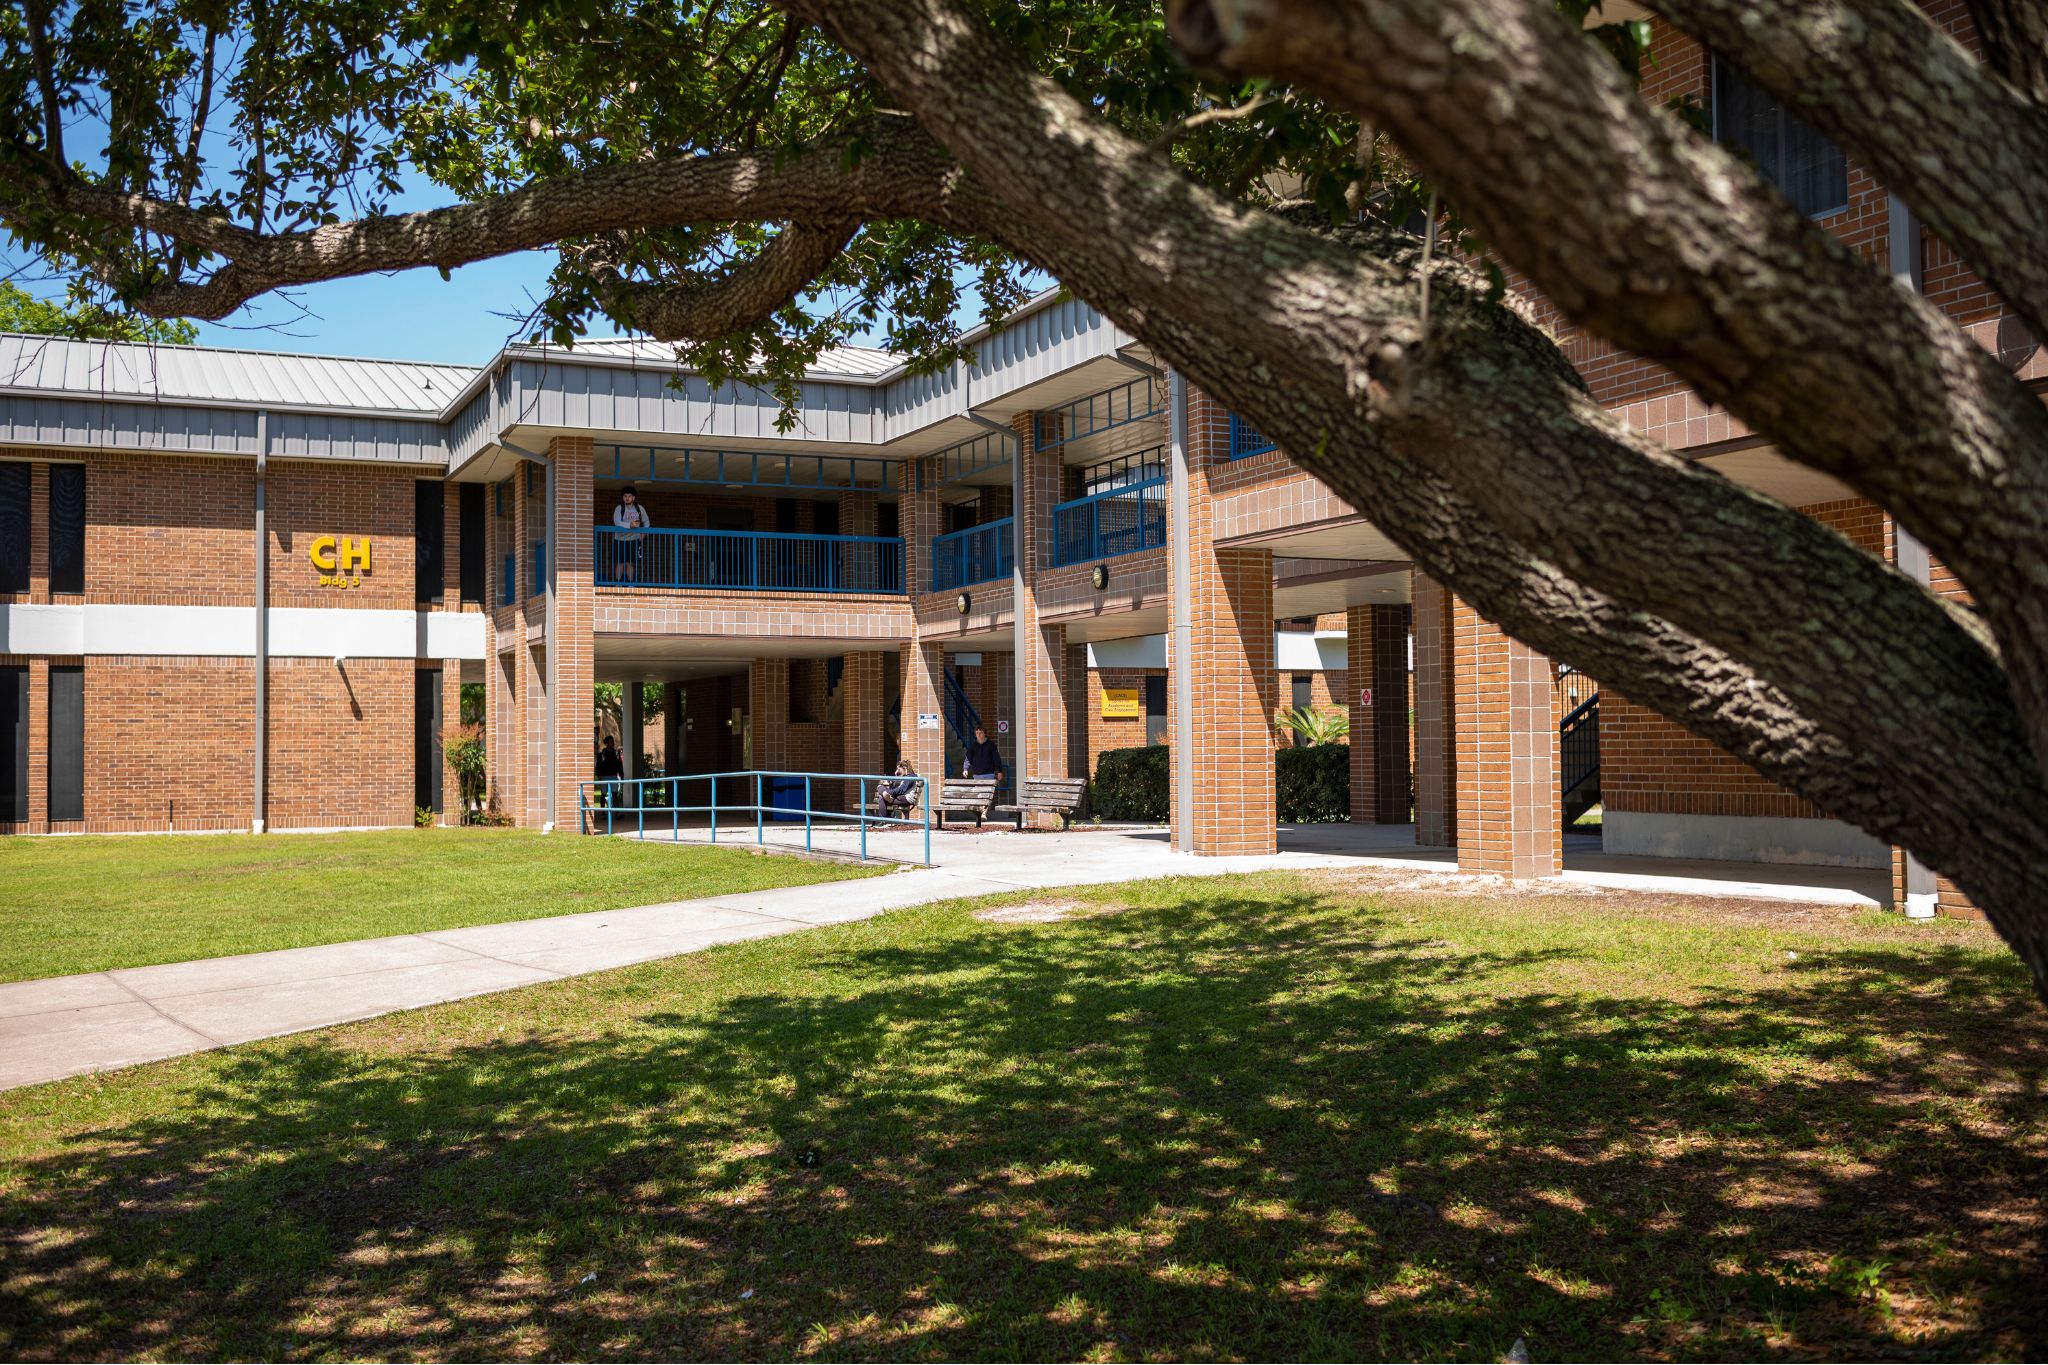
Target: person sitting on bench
column 983, row 760
column 897, row 797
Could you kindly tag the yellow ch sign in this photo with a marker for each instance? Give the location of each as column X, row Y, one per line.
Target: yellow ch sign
column 338, row 556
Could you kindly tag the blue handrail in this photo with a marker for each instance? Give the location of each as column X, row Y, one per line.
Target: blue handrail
column 764, row 792
column 747, row 561
column 979, row 554
column 1245, row 439
column 1119, row 522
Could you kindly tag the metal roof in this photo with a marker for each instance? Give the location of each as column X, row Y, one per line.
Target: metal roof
column 143, row 372
column 836, row 362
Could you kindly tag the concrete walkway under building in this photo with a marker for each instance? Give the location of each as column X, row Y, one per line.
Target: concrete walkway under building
column 71, row 1025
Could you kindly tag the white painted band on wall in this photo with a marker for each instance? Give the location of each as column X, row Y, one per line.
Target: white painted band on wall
column 230, row 632
column 1742, row 839
column 1294, row 651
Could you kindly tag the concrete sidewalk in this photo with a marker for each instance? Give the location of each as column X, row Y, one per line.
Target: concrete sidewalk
column 69, row 1025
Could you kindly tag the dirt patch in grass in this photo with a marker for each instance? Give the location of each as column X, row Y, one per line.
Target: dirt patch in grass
column 1041, row 912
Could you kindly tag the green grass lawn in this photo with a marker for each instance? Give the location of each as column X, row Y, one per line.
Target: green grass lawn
column 1260, row 1118
column 85, row 905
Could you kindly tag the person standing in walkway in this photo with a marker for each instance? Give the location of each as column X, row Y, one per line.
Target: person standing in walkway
column 610, row 768
column 983, row 759
column 630, row 519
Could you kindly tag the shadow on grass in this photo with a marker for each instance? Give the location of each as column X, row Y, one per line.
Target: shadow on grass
column 1263, row 1127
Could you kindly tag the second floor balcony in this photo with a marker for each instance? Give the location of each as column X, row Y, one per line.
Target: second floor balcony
column 747, row 561
column 979, row 554
column 1120, row 521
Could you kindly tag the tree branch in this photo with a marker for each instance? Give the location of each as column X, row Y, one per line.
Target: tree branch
column 1675, row 249
column 2015, row 34
column 1882, row 81
column 884, row 168
column 702, row 309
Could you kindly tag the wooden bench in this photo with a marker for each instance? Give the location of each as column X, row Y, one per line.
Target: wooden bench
column 1060, row 795
column 965, row 793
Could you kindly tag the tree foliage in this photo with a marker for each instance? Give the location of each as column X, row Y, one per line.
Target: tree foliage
column 21, row 311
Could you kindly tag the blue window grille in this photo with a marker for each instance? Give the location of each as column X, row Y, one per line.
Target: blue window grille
column 979, row 554
column 1245, row 439
column 1119, row 522
column 747, row 561
column 508, row 581
column 540, row 567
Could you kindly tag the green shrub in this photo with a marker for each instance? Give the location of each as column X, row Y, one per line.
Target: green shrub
column 1130, row 784
column 1315, row 784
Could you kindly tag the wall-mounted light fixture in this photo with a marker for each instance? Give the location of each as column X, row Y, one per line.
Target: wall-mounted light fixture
column 963, row 603
column 1100, row 577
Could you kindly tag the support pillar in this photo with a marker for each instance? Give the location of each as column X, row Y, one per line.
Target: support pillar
column 571, row 627
column 1377, row 665
column 768, row 714
column 1043, row 693
column 1224, row 780
column 860, row 720
column 1510, row 821
column 1436, row 757
column 923, row 686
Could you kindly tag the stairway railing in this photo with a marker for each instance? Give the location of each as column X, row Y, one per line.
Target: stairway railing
column 1578, row 744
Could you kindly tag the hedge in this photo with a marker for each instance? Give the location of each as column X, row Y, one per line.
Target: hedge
column 1314, row 784
column 1130, row 784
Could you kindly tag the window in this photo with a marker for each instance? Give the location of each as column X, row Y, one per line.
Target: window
column 426, row 739
column 67, row 742
column 1245, row 440
column 14, row 529
column 1303, row 699
column 471, row 547
column 429, row 539
column 67, row 528
column 1810, row 170
column 889, row 520
column 1155, row 708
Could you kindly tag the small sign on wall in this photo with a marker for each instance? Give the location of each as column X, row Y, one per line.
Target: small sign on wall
column 1121, row 703
column 1002, row 727
column 1365, row 696
column 927, row 720
column 342, row 561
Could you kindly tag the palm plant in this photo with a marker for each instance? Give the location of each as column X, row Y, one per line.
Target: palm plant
column 1313, row 726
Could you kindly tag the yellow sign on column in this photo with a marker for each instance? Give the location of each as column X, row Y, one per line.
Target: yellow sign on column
column 1121, row 703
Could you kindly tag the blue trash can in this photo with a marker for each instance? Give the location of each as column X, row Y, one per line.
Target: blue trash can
column 785, row 799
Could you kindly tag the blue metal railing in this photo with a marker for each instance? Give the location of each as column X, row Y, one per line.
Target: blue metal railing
column 1245, row 439
column 979, row 554
column 1118, row 522
column 748, row 561
column 608, row 805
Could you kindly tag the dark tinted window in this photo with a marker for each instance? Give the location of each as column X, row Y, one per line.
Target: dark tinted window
column 67, row 528
column 14, row 528
column 429, row 540
column 472, row 546
column 1811, row 170
column 13, row 743
column 67, row 742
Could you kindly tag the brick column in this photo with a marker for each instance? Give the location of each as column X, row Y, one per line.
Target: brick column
column 1076, row 682
column 1436, row 756
column 1377, row 661
column 860, row 719
column 857, row 514
column 922, row 690
column 38, row 535
column 919, row 519
column 1042, row 710
column 1509, row 818
column 768, row 713
column 38, row 812
column 1231, row 667
column 506, row 717
column 569, row 554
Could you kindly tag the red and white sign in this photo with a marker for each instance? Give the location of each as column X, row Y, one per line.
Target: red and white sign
column 1365, row 696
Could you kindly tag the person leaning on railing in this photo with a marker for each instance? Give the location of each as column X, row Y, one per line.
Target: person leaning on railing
column 631, row 519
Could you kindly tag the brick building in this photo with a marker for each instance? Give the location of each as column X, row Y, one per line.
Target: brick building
column 242, row 590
